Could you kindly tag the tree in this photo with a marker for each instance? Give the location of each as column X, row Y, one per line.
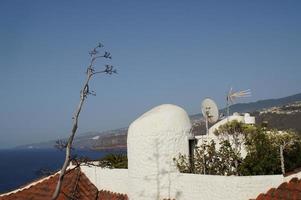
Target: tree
column 209, row 160
column 268, row 152
column 262, row 157
column 206, row 159
column 271, row 152
column 284, row 140
column 229, row 159
column 95, row 54
column 234, row 133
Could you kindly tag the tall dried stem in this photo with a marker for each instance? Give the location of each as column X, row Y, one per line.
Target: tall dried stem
column 109, row 69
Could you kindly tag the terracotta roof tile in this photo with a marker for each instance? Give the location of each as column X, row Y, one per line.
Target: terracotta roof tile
column 75, row 185
column 107, row 195
column 286, row 191
column 297, row 170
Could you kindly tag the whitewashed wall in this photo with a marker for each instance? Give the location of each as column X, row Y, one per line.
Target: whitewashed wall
column 154, row 139
column 189, row 186
column 210, row 187
column 114, row 180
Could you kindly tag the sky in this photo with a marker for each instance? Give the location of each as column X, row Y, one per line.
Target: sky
column 177, row 52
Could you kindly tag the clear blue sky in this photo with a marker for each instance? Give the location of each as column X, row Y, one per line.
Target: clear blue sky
column 166, row 52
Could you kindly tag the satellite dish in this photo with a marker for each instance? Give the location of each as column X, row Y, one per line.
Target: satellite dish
column 210, row 112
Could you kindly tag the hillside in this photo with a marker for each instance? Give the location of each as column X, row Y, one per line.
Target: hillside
column 258, row 105
column 90, row 140
column 282, row 113
column 281, row 117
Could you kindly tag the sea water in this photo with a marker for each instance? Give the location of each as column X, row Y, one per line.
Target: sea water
column 19, row 167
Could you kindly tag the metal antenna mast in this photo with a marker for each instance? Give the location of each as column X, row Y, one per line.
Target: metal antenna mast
column 231, row 96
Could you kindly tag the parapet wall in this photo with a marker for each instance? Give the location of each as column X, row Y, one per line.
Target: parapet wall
column 115, row 180
column 211, row 187
column 190, row 186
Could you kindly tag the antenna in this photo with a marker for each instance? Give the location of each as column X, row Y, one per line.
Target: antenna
column 210, row 112
column 231, row 96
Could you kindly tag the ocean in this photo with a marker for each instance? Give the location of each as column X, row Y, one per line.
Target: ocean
column 19, row 167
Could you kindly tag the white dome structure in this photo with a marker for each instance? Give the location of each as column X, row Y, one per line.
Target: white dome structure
column 154, row 139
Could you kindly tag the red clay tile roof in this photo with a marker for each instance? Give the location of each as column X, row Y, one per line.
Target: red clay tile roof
column 75, row 186
column 106, row 195
column 295, row 171
column 285, row 191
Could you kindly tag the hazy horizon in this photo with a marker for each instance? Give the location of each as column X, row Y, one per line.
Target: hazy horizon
column 103, row 131
column 165, row 52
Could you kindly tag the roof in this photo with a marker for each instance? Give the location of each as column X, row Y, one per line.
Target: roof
column 288, row 190
column 75, row 186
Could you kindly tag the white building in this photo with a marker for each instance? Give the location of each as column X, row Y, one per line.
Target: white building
column 154, row 139
column 245, row 118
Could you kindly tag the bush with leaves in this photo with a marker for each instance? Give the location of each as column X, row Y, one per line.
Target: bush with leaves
column 292, row 156
column 182, row 164
column 264, row 152
column 209, row 160
column 262, row 157
column 268, row 152
column 206, row 159
column 114, row 161
column 229, row 159
column 235, row 133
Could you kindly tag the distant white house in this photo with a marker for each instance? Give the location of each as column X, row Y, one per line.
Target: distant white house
column 244, row 118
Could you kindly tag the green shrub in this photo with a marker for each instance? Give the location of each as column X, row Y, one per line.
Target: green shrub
column 114, row 161
column 262, row 146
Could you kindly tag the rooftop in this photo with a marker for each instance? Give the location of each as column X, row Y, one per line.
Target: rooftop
column 75, row 186
column 288, row 190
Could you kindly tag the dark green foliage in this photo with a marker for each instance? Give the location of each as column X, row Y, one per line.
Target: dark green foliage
column 263, row 156
column 206, row 159
column 210, row 161
column 292, row 156
column 114, row 161
column 229, row 159
column 263, row 149
column 262, row 146
column 182, row 164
